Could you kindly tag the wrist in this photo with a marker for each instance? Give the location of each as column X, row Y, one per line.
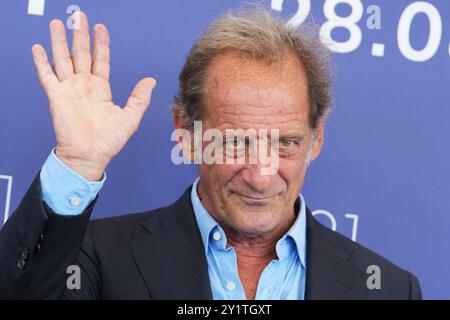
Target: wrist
column 89, row 169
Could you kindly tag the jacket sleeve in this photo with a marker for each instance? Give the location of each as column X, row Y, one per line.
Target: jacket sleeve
column 37, row 246
column 415, row 292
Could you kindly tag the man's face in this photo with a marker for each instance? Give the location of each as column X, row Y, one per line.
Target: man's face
column 243, row 93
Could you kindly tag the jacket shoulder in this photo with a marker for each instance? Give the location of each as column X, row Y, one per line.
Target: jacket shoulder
column 394, row 279
column 122, row 227
column 362, row 253
column 120, row 230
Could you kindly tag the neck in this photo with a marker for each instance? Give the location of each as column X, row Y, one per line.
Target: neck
column 257, row 246
column 253, row 251
column 253, row 255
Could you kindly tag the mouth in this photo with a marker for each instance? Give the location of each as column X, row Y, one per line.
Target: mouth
column 252, row 200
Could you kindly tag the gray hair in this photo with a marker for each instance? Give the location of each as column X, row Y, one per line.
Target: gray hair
column 261, row 36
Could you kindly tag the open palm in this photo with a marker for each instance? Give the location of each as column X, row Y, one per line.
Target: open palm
column 90, row 129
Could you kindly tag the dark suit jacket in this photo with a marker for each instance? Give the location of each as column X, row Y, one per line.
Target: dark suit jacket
column 159, row 255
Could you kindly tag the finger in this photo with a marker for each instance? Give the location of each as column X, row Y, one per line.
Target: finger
column 43, row 68
column 81, row 55
column 139, row 99
column 60, row 50
column 100, row 63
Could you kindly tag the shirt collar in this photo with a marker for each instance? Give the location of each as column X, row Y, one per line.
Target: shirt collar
column 207, row 224
column 297, row 232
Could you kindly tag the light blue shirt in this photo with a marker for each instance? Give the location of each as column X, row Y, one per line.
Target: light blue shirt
column 65, row 191
column 284, row 278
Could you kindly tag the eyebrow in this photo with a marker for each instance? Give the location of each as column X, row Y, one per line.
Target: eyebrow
column 233, row 135
column 290, row 136
column 300, row 137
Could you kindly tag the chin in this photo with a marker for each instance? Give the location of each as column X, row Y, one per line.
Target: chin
column 255, row 223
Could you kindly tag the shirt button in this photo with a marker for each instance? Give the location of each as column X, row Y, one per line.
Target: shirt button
column 25, row 254
column 231, row 285
column 75, row 202
column 21, row 264
column 217, row 236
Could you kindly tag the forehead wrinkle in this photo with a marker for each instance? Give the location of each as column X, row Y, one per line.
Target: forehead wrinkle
column 262, row 110
column 254, row 94
column 285, row 126
column 262, row 116
column 231, row 74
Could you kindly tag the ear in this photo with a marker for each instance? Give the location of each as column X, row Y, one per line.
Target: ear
column 185, row 138
column 179, row 122
column 318, row 143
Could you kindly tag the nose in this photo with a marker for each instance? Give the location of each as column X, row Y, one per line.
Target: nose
column 262, row 183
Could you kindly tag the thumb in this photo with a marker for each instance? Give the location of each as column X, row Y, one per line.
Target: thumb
column 140, row 98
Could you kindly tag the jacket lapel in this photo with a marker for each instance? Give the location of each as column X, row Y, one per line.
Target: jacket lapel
column 330, row 274
column 169, row 253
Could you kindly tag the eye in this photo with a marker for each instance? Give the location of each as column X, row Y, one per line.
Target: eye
column 234, row 147
column 235, row 143
column 286, row 143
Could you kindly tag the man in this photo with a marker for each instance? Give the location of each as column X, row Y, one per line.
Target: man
column 236, row 233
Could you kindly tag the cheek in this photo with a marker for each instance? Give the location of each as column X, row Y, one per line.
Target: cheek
column 292, row 171
column 219, row 175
